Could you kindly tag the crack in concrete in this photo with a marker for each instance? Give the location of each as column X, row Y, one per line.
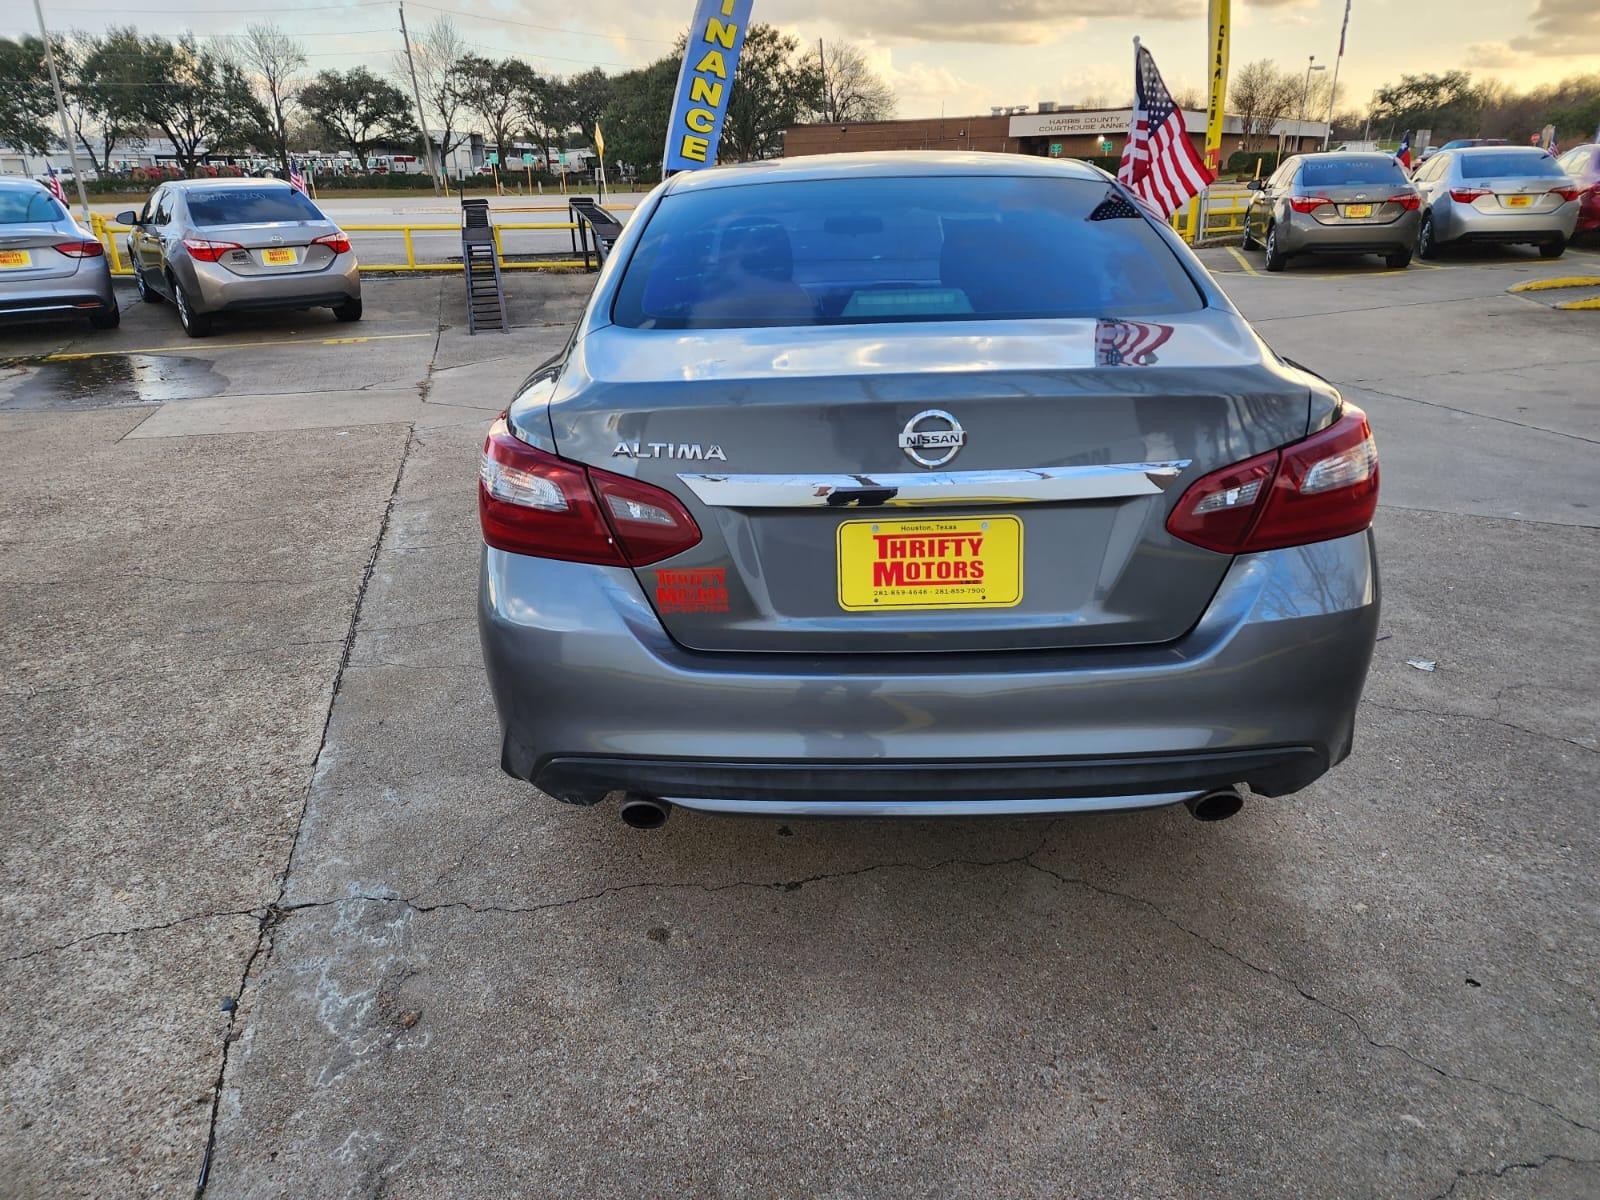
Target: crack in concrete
column 1506, row 1168
column 1406, row 709
column 131, row 931
column 275, row 911
column 1310, row 997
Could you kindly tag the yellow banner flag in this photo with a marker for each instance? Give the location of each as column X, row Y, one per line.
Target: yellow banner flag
column 1217, row 68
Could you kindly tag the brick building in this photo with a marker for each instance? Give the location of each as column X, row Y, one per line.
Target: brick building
column 1058, row 132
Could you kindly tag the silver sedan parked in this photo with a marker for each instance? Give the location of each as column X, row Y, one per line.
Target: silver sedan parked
column 1339, row 203
column 920, row 484
column 1503, row 194
column 240, row 245
column 50, row 266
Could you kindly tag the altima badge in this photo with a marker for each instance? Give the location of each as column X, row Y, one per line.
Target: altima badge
column 944, row 437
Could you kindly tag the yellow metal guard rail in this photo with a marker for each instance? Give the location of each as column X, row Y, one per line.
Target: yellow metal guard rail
column 106, row 232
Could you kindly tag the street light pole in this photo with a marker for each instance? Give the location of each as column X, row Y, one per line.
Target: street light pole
column 61, row 111
column 1305, row 98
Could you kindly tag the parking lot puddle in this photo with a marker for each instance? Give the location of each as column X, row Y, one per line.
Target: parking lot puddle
column 111, row 381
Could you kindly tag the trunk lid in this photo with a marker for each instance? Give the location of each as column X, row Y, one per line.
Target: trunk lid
column 1361, row 204
column 274, row 248
column 1076, row 437
column 27, row 252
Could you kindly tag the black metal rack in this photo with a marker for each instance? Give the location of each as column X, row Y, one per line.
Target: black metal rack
column 486, row 298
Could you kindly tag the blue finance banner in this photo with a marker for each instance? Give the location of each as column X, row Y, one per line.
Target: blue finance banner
column 705, row 82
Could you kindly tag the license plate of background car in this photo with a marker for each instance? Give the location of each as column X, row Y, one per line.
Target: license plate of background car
column 930, row 563
column 1358, row 210
column 1517, row 201
column 278, row 257
column 15, row 260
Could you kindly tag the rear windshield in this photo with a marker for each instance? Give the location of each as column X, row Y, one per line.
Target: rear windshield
column 19, row 205
column 863, row 251
column 250, row 206
column 1332, row 172
column 1498, row 166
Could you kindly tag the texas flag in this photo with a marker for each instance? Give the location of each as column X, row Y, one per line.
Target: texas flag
column 1404, row 153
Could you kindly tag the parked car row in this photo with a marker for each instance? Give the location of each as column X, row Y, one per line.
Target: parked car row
column 207, row 246
column 1363, row 203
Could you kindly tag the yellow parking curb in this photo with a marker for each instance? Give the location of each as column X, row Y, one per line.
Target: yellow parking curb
column 1565, row 281
column 1593, row 303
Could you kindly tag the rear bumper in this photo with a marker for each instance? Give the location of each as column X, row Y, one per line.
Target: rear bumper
column 86, row 289
column 217, row 289
column 593, row 696
column 1306, row 234
column 1466, row 224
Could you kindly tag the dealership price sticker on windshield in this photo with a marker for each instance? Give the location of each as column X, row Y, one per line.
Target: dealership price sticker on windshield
column 705, row 83
column 960, row 562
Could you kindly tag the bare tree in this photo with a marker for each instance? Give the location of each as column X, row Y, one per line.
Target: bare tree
column 439, row 52
column 851, row 89
column 276, row 64
column 1262, row 95
column 1189, row 98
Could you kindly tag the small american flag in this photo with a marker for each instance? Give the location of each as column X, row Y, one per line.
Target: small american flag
column 1159, row 163
column 53, row 182
column 296, row 178
column 1128, row 343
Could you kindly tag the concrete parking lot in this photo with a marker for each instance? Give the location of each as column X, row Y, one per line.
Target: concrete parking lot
column 274, row 924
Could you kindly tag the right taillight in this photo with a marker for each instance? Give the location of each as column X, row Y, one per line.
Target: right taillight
column 532, row 502
column 1325, row 486
column 1409, row 201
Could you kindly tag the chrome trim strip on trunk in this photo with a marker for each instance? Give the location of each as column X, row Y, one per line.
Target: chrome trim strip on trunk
column 1030, row 485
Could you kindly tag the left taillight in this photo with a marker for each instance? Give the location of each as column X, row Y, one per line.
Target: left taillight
column 1325, row 486
column 533, row 502
column 206, row 250
column 339, row 242
column 88, row 248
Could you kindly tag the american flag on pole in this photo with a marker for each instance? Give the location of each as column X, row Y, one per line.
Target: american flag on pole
column 53, row 182
column 1159, row 163
column 1345, row 28
column 296, row 178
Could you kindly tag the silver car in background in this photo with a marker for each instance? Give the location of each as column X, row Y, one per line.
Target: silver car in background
column 1501, row 194
column 1338, row 203
column 921, row 484
column 50, row 266
column 214, row 246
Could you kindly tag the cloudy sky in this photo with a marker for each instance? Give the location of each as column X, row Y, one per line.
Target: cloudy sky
column 960, row 56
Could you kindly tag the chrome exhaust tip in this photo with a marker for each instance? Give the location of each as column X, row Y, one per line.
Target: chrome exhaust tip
column 644, row 812
column 1217, row 805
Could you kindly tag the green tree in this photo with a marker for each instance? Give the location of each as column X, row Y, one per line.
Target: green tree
column 105, row 95
column 25, row 99
column 198, row 98
column 635, row 121
column 772, row 88
column 356, row 108
column 490, row 92
column 544, row 103
column 588, row 94
column 1448, row 104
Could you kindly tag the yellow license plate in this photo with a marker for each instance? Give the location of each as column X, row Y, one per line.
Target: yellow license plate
column 957, row 562
column 1358, row 210
column 1517, row 201
column 278, row 258
column 12, row 260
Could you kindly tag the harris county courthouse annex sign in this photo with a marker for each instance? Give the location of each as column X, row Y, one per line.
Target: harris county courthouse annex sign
column 705, row 82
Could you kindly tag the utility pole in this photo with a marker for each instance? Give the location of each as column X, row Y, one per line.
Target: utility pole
column 416, row 93
column 61, row 111
column 822, row 65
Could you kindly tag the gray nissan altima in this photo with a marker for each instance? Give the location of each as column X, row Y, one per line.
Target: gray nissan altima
column 921, row 484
